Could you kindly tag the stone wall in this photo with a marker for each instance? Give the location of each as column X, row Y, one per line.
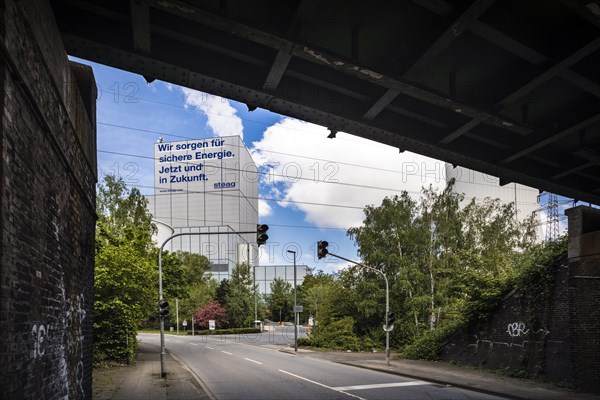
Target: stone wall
column 47, row 209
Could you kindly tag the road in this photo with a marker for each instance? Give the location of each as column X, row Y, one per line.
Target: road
column 238, row 367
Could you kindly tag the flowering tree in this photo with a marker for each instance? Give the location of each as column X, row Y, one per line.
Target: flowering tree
column 212, row 310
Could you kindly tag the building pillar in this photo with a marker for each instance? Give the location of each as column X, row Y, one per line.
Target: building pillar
column 584, row 296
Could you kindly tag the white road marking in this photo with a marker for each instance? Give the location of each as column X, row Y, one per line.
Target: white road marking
column 321, row 384
column 249, row 359
column 382, row 385
column 194, row 344
column 208, row 347
column 226, row 352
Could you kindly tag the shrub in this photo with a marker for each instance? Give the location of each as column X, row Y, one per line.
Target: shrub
column 114, row 332
column 339, row 335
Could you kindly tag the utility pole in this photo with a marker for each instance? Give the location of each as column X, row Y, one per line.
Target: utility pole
column 177, row 314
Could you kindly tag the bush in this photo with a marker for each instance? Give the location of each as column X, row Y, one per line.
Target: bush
column 427, row 346
column 231, row 331
column 115, row 332
column 338, row 335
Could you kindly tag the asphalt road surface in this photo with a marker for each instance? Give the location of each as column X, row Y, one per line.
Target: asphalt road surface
column 251, row 367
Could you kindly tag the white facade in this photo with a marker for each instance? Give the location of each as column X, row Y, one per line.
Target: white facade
column 266, row 274
column 208, row 187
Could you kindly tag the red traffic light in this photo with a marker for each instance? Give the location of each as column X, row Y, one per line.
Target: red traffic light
column 262, row 228
column 322, row 249
column 261, row 236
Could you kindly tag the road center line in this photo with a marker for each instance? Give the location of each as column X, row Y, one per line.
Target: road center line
column 382, row 385
column 226, row 352
column 321, row 384
column 251, row 360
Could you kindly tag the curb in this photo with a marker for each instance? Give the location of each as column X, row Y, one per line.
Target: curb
column 437, row 381
column 196, row 377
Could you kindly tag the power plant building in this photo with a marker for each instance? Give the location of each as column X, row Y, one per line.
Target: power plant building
column 208, row 187
column 207, row 190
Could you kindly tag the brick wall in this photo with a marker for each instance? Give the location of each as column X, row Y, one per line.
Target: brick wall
column 47, row 212
column 559, row 343
column 584, row 295
column 512, row 340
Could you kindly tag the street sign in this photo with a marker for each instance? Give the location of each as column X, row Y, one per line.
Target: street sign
column 211, row 324
column 388, row 328
column 298, row 308
column 184, row 323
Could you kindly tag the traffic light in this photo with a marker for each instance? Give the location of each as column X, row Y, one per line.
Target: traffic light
column 163, row 308
column 261, row 236
column 322, row 249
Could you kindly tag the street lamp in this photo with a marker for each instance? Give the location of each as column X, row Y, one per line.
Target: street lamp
column 295, row 312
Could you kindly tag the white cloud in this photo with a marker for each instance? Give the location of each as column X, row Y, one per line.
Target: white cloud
column 264, row 209
column 345, row 171
column 222, row 117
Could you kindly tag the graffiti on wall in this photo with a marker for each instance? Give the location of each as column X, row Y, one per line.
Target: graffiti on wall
column 39, row 332
column 514, row 330
column 517, row 329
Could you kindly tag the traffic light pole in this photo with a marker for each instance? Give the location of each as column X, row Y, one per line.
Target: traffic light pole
column 387, row 303
column 163, row 372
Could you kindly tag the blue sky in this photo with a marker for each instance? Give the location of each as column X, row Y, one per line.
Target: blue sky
column 322, row 184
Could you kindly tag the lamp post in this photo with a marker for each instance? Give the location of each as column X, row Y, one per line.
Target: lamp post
column 163, row 372
column 295, row 313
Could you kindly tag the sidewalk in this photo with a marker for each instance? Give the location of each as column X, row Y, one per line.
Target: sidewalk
column 444, row 373
column 142, row 381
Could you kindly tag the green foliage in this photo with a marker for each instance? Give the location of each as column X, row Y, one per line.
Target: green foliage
column 445, row 264
column 230, row 331
column 239, row 301
column 534, row 280
column 196, row 285
column 538, row 274
column 125, row 274
column 339, row 335
column 281, row 301
column 115, row 331
column 427, row 345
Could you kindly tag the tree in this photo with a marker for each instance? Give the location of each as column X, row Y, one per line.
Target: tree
column 198, row 285
column 281, row 300
column 436, row 255
column 240, row 299
column 213, row 310
column 125, row 274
